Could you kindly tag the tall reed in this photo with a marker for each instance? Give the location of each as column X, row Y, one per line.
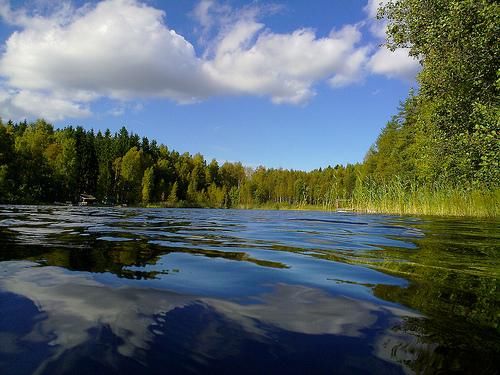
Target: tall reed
column 406, row 197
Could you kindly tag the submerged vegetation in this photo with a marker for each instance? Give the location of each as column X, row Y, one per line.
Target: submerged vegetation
column 439, row 155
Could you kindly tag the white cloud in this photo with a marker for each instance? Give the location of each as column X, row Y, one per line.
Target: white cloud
column 250, row 59
column 395, row 64
column 202, row 13
column 19, row 105
column 247, row 58
column 209, row 14
column 119, row 49
column 56, row 65
column 350, row 71
column 216, row 18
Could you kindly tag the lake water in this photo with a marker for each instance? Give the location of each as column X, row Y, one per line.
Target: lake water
column 131, row 291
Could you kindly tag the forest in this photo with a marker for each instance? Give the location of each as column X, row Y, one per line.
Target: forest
column 43, row 164
column 439, row 154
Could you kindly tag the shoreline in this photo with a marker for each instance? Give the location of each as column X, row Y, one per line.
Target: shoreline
column 443, row 213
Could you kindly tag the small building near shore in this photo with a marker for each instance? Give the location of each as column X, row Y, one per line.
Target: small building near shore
column 87, row 200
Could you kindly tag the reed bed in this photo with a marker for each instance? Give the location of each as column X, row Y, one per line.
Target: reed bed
column 401, row 197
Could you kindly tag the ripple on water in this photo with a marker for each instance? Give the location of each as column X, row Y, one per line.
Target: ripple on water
column 245, row 291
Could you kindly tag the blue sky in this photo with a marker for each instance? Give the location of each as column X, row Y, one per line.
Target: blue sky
column 293, row 84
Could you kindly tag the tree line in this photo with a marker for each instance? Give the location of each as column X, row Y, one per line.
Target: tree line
column 41, row 164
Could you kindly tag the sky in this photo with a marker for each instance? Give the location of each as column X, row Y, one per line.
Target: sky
column 286, row 84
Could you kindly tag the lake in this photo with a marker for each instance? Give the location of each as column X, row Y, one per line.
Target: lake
column 130, row 291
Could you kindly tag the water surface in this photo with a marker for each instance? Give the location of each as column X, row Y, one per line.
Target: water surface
column 103, row 290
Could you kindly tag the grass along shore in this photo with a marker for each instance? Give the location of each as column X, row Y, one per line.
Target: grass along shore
column 387, row 199
column 453, row 202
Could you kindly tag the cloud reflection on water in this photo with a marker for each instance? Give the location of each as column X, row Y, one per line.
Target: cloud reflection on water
column 74, row 304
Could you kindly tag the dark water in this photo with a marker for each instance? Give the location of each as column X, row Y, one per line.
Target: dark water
column 131, row 291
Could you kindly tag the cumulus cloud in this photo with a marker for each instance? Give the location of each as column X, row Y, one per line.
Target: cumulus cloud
column 247, row 58
column 120, row 49
column 56, row 65
column 394, row 64
column 250, row 59
column 24, row 103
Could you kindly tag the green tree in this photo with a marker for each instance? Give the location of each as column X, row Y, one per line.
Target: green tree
column 105, row 155
column 131, row 173
column 456, row 42
column 147, row 185
column 7, row 158
column 61, row 157
column 212, row 173
column 172, row 196
column 33, row 174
